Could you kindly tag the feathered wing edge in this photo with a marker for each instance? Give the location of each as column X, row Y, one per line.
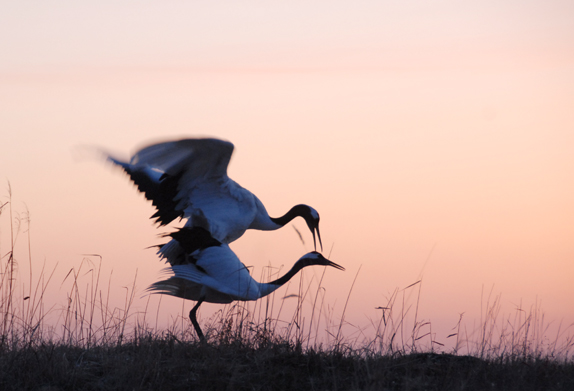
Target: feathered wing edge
column 158, row 188
column 166, row 172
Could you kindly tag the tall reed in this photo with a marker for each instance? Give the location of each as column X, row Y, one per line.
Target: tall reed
column 304, row 319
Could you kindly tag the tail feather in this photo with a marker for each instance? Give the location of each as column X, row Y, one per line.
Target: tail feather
column 188, row 273
column 177, row 287
column 164, row 287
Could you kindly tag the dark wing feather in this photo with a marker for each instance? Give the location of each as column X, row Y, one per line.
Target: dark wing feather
column 186, row 241
column 168, row 172
column 161, row 193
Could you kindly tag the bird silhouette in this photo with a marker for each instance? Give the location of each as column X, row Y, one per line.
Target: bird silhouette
column 205, row 270
column 188, row 179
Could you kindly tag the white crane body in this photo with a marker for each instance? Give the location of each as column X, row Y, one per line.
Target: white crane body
column 188, row 179
column 205, row 270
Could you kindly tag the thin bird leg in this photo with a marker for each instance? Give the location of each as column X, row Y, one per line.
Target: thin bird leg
column 194, row 320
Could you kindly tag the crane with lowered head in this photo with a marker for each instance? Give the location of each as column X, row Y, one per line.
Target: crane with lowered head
column 206, row 270
column 188, row 179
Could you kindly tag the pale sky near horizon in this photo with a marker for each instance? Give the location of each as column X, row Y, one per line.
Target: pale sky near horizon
column 435, row 139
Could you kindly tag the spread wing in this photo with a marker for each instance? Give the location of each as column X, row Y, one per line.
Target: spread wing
column 167, row 173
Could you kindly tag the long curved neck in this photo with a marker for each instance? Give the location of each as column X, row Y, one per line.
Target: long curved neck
column 297, row 210
column 266, row 223
column 267, row 288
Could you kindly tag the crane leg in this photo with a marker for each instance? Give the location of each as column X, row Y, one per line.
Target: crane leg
column 193, row 319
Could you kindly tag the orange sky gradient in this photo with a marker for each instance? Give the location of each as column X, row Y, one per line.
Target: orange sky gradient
column 435, row 140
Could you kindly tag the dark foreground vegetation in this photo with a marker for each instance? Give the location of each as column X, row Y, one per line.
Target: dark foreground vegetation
column 166, row 364
column 92, row 346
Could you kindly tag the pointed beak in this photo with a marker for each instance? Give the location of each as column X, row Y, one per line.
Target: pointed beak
column 319, row 236
column 339, row 267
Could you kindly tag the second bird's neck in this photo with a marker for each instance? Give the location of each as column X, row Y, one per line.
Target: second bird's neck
column 267, row 288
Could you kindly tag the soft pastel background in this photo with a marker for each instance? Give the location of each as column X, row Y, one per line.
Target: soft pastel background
column 436, row 139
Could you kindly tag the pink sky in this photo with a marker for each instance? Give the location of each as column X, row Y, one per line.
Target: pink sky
column 434, row 140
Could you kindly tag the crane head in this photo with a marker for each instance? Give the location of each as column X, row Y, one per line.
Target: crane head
column 316, row 258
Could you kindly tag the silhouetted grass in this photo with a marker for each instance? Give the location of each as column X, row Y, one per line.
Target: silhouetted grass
column 164, row 363
column 90, row 345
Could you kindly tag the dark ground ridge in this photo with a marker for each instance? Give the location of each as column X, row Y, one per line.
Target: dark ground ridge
column 167, row 364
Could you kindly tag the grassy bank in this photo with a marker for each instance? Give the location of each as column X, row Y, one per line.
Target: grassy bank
column 165, row 363
column 90, row 345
